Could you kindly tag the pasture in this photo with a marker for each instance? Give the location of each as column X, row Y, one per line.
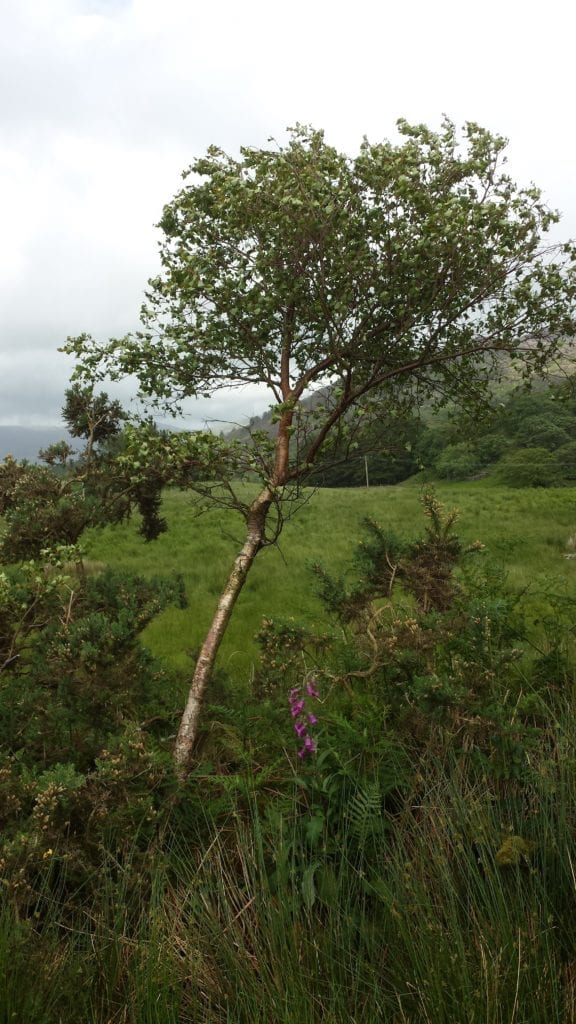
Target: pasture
column 524, row 531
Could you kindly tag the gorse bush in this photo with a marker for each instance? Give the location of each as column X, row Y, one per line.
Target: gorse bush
column 83, row 708
column 434, row 638
column 73, row 669
column 39, row 509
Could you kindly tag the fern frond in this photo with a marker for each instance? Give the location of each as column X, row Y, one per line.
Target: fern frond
column 364, row 811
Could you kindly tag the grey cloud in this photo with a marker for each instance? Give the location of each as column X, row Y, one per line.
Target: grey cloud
column 104, row 102
column 118, row 85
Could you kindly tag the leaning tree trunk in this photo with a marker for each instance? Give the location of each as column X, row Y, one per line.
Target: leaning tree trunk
column 188, row 730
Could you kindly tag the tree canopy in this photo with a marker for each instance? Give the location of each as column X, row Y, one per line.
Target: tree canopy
column 295, row 265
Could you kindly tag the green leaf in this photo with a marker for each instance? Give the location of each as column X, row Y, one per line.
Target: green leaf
column 314, row 828
column 308, row 886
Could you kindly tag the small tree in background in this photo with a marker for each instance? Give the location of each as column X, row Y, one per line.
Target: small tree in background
column 529, row 467
column 94, row 417
column 43, row 507
column 457, row 462
column 384, row 279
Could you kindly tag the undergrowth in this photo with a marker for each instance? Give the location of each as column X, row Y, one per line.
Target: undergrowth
column 414, row 862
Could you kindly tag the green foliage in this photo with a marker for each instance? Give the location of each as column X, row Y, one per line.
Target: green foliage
column 58, row 454
column 465, row 444
column 96, row 418
column 527, row 424
column 490, row 447
column 393, row 278
column 436, row 820
column 73, row 667
column 387, row 452
column 527, row 530
column 435, row 641
column 566, row 461
column 39, row 509
column 79, row 766
column 529, row 467
column 277, row 269
column 456, row 445
column 541, row 432
column 457, row 462
column 543, row 403
column 45, row 507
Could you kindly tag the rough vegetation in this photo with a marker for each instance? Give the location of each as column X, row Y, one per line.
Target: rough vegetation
column 521, row 438
column 364, row 285
column 413, row 864
column 374, row 817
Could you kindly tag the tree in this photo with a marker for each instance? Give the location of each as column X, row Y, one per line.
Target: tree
column 43, row 507
column 387, row 449
column 566, row 460
column 385, row 279
column 457, row 462
column 95, row 417
column 541, row 432
column 529, row 467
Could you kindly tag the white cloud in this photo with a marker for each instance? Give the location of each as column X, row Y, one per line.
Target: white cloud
column 104, row 102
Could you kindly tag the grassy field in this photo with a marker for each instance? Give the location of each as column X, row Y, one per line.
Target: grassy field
column 526, row 531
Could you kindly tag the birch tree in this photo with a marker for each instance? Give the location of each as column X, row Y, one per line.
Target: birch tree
column 347, row 287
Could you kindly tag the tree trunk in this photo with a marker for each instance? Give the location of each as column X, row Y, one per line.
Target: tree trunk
column 188, row 730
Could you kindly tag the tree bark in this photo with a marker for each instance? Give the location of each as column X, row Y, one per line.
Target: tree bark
column 255, row 539
column 188, row 730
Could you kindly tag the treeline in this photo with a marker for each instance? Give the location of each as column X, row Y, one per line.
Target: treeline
column 526, row 439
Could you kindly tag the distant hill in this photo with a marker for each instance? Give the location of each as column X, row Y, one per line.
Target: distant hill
column 25, row 442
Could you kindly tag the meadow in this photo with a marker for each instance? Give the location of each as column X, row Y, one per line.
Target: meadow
column 419, row 868
column 526, row 531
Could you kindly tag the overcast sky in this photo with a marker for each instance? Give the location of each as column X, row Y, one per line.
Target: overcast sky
column 104, row 102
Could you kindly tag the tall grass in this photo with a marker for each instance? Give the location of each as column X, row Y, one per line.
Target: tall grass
column 427, row 926
column 430, row 926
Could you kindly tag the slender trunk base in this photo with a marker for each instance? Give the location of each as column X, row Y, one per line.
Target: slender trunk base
column 188, row 731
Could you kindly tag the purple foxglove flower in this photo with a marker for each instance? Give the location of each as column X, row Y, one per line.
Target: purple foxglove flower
column 302, row 717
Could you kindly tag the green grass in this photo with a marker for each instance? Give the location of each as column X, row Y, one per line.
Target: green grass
column 524, row 530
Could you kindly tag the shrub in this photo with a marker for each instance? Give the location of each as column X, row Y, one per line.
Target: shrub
column 490, row 448
column 528, row 467
column 429, row 639
column 82, row 710
column 457, row 462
